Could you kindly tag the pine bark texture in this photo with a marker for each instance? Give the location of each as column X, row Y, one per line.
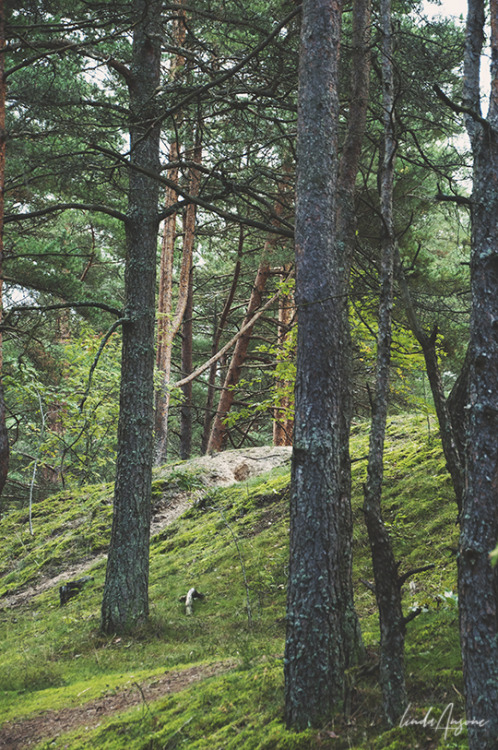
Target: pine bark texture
column 478, row 581
column 315, row 651
column 125, row 601
column 4, row 438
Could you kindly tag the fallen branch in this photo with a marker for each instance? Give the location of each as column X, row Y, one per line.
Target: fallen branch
column 189, row 600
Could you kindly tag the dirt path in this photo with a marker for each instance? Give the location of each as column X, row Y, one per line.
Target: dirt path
column 28, row 732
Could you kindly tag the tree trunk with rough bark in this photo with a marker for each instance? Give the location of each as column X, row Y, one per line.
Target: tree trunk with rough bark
column 4, row 438
column 478, row 581
column 125, row 601
column 315, row 649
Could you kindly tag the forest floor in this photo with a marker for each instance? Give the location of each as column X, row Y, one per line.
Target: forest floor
column 215, row 679
column 217, row 470
column 28, row 732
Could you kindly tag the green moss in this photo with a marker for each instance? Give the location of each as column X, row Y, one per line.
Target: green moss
column 232, row 546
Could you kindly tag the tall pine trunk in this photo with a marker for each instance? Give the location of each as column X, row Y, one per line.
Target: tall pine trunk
column 218, row 328
column 125, row 601
column 174, row 322
column 4, row 438
column 165, row 294
column 315, row 648
column 478, row 581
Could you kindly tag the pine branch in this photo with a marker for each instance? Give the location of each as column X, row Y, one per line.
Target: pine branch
column 10, row 218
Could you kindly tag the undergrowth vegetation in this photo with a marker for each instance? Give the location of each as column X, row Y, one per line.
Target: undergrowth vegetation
column 231, row 544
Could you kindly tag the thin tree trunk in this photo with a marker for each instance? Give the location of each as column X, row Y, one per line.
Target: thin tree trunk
column 218, row 330
column 477, row 580
column 174, row 323
column 4, row 438
column 316, row 601
column 283, row 422
column 125, row 600
column 387, row 586
column 165, row 296
column 447, row 429
column 346, row 234
column 218, row 436
column 186, row 407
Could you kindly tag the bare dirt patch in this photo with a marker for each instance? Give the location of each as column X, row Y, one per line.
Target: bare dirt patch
column 27, row 732
column 228, row 467
column 219, row 470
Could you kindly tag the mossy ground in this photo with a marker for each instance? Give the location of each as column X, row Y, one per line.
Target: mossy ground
column 232, row 546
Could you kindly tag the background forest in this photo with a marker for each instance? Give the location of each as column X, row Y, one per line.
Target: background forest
column 164, row 296
column 65, row 200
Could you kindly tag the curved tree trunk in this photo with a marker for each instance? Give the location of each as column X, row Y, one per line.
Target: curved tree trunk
column 450, row 426
column 125, row 601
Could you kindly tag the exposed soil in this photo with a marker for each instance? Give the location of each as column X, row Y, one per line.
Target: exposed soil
column 221, row 469
column 218, row 470
column 49, row 725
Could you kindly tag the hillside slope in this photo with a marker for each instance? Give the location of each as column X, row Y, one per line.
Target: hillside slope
column 215, row 679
